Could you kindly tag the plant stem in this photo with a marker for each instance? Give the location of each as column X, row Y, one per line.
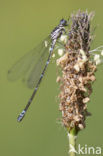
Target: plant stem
column 72, row 142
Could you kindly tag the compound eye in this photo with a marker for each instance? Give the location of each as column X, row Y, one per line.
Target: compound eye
column 63, row 22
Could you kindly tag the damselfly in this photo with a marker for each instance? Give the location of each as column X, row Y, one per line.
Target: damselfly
column 33, row 65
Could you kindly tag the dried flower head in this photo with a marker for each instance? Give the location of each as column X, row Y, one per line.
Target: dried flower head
column 79, row 35
column 77, row 73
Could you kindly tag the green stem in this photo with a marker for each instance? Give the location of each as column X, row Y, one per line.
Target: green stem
column 72, row 142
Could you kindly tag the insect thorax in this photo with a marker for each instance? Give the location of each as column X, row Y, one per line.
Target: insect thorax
column 57, row 32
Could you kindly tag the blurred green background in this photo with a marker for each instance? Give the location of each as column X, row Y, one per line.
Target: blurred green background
column 23, row 24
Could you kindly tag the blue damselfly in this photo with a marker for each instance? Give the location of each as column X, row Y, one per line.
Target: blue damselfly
column 33, row 65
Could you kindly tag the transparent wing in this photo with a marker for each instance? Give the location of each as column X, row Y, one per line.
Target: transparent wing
column 36, row 72
column 27, row 63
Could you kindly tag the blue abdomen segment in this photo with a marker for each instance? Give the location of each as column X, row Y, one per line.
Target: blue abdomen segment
column 21, row 116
